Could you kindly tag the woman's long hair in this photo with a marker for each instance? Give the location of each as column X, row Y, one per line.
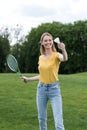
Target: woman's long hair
column 42, row 49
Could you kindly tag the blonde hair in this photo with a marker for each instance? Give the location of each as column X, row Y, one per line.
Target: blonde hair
column 42, row 49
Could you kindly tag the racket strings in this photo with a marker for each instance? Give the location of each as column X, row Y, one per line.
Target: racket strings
column 12, row 63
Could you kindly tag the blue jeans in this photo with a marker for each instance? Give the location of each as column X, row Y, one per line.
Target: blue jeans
column 50, row 92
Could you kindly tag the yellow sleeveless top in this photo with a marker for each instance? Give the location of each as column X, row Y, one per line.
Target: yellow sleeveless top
column 48, row 68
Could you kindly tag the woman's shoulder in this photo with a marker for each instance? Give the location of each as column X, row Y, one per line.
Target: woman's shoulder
column 55, row 53
column 40, row 56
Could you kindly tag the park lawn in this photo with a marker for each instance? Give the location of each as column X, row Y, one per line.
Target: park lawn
column 18, row 109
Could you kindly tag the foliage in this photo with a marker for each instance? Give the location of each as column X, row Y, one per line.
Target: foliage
column 73, row 35
column 26, row 50
column 4, row 50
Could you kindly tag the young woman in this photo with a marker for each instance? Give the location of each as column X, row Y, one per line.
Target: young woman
column 48, row 86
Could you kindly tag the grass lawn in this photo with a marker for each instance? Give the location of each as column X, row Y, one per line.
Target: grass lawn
column 18, row 103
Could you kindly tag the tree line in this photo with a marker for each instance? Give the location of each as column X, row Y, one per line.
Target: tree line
column 26, row 50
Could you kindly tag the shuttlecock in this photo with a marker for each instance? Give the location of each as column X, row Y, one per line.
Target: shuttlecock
column 57, row 40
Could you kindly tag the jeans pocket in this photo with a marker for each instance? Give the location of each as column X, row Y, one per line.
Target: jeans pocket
column 55, row 88
column 39, row 85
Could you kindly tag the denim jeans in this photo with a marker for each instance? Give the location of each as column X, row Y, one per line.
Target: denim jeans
column 50, row 92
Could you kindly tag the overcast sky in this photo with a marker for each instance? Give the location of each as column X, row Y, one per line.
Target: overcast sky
column 31, row 13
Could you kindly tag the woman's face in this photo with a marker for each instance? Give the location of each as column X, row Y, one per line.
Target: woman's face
column 47, row 42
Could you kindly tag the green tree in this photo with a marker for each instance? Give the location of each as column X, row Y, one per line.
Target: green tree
column 73, row 35
column 76, row 43
column 4, row 50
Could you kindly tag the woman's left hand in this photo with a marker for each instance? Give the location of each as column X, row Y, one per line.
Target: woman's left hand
column 61, row 46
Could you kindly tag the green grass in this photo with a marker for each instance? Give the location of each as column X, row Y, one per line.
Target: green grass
column 18, row 103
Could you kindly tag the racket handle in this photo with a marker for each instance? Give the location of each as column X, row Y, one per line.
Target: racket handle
column 25, row 81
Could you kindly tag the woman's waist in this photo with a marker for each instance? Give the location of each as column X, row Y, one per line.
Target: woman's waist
column 49, row 84
column 47, row 80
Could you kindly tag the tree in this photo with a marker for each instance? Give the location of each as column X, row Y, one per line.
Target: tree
column 73, row 35
column 4, row 50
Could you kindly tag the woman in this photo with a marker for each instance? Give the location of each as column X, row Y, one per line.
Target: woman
column 48, row 86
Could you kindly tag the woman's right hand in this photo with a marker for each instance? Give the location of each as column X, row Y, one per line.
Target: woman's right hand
column 24, row 79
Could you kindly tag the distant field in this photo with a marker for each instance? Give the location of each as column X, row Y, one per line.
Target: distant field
column 18, row 103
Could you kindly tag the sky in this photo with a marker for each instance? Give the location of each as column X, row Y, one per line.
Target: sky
column 31, row 13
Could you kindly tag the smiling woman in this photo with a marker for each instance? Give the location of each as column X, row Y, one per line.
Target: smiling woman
column 48, row 87
column 46, row 41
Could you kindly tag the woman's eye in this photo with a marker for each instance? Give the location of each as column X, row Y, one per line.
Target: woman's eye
column 50, row 40
column 45, row 40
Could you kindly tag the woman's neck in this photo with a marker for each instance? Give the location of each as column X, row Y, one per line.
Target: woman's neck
column 48, row 52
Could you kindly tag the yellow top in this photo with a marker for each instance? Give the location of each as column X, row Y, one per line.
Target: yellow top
column 48, row 68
